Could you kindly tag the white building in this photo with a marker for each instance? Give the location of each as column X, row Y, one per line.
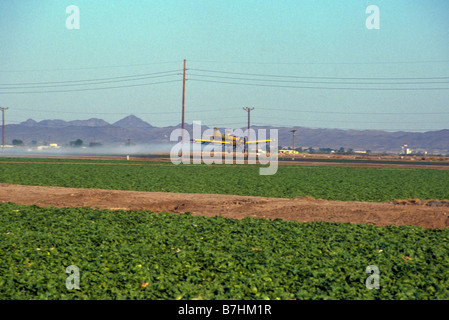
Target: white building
column 405, row 149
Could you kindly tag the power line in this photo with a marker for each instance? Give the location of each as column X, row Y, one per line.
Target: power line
column 242, row 79
column 90, row 81
column 321, row 77
column 274, row 79
column 283, row 125
column 347, row 121
column 323, row 63
column 89, row 68
column 208, row 111
column 216, row 76
column 278, row 79
column 322, row 82
column 319, row 88
column 227, row 108
column 109, row 113
column 93, row 89
column 81, row 84
column 360, row 113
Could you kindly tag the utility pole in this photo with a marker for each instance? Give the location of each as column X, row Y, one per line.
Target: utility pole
column 249, row 111
column 249, row 117
column 293, row 143
column 183, row 98
column 293, row 131
column 3, row 126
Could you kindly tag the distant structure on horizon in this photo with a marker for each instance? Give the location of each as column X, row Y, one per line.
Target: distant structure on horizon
column 405, row 149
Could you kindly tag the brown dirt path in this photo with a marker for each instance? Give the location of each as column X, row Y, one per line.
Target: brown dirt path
column 237, row 207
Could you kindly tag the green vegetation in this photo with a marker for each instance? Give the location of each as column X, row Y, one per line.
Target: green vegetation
column 143, row 255
column 330, row 183
column 81, row 160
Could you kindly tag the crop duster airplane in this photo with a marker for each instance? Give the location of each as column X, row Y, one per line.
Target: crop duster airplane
column 228, row 139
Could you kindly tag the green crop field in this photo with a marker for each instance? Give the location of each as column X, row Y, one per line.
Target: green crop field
column 329, row 183
column 143, row 255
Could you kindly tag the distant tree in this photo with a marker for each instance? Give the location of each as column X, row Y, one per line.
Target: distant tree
column 76, row 143
column 17, row 142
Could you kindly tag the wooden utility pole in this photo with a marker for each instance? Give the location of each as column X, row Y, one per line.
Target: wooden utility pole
column 293, row 143
column 293, row 131
column 3, row 125
column 183, row 98
column 249, row 126
column 249, row 117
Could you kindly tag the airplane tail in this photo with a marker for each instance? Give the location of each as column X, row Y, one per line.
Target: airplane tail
column 217, row 134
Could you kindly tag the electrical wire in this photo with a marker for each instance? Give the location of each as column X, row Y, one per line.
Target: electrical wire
column 283, row 125
column 319, row 88
column 102, row 113
column 90, row 81
column 92, row 89
column 242, row 79
column 90, row 68
column 221, row 62
column 320, row 82
column 320, row 77
column 361, row 113
column 346, row 121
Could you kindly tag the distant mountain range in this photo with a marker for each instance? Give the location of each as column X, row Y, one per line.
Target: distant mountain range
column 127, row 122
column 135, row 130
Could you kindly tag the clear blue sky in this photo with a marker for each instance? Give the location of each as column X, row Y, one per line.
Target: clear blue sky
column 309, row 63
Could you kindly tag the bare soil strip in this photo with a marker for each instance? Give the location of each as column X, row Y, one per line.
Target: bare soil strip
column 425, row 214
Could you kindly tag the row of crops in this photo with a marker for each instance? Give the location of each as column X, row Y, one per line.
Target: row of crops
column 143, row 255
column 330, row 183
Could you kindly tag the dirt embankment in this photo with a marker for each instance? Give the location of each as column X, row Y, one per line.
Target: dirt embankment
column 428, row 214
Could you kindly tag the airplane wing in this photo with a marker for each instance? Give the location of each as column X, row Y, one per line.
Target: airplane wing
column 212, row 141
column 257, row 141
column 228, row 142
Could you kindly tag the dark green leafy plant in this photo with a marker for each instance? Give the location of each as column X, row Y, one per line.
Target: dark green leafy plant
column 143, row 255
